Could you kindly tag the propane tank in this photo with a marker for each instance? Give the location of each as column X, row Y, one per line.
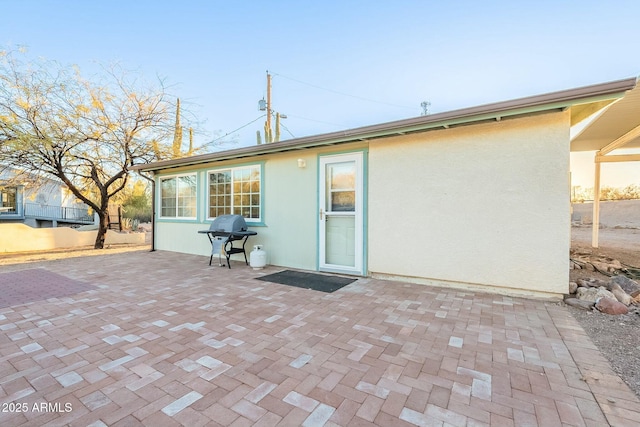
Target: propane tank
column 257, row 258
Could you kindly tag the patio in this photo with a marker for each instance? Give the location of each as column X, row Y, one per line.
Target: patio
column 163, row 339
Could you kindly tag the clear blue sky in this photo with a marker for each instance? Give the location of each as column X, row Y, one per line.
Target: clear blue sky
column 454, row 54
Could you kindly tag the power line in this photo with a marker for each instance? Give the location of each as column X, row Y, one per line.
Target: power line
column 342, row 93
column 287, row 129
column 235, row 130
column 317, row 121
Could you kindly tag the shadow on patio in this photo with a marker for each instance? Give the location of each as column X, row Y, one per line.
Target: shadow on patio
column 163, row 339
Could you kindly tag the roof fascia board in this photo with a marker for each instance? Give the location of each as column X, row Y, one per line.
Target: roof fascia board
column 516, row 107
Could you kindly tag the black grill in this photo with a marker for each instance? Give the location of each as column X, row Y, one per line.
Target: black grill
column 222, row 232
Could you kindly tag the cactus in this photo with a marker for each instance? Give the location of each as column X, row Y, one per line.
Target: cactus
column 176, row 147
column 177, row 136
column 267, row 134
column 190, row 152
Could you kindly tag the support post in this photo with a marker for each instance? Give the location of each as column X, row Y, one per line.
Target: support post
column 596, row 205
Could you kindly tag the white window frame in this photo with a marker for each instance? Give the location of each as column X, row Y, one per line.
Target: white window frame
column 232, row 206
column 177, row 206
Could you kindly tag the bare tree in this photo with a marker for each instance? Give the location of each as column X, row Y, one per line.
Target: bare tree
column 54, row 122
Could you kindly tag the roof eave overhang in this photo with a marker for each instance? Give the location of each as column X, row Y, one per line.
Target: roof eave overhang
column 556, row 101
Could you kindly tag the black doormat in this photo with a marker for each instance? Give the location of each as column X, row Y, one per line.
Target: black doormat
column 299, row 279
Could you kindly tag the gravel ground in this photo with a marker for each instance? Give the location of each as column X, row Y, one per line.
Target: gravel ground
column 617, row 337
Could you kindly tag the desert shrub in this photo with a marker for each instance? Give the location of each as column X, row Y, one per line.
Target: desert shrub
column 136, row 203
column 630, row 192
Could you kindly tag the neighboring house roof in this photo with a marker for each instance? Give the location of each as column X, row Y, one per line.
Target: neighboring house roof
column 595, row 95
column 18, row 175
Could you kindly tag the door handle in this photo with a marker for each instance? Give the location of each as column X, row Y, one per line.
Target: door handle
column 321, row 214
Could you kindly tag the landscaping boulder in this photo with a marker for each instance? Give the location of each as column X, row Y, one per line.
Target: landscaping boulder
column 573, row 287
column 620, row 294
column 592, row 283
column 629, row 286
column 592, row 294
column 609, row 267
column 611, row 306
column 145, row 227
column 578, row 303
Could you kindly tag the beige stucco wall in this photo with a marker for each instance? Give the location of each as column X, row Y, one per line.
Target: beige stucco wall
column 485, row 204
column 22, row 238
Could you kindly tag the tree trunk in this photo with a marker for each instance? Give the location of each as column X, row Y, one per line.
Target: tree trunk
column 103, row 226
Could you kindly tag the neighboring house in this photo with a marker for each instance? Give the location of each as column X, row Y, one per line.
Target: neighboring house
column 41, row 202
column 476, row 198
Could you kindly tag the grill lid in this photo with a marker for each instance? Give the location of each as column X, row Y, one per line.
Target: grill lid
column 229, row 223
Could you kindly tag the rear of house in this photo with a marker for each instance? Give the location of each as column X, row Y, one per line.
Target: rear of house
column 476, row 198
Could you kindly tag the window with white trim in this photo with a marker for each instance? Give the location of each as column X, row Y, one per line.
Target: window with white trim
column 236, row 191
column 178, row 196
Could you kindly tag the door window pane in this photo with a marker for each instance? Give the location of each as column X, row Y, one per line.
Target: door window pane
column 343, row 176
column 343, row 201
column 340, row 187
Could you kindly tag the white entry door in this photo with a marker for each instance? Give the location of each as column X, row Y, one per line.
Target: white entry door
column 341, row 213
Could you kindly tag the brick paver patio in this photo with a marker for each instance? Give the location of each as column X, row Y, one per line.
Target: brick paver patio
column 162, row 339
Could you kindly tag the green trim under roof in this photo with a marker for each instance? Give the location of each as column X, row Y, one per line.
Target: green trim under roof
column 495, row 111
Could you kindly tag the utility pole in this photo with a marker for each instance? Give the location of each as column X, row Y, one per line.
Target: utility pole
column 266, row 105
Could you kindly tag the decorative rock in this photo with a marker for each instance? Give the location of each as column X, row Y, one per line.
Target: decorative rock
column 577, row 303
column 592, row 283
column 145, row 226
column 605, row 264
column 602, row 266
column 611, row 306
column 573, row 287
column 629, row 286
column 592, row 294
column 620, row 294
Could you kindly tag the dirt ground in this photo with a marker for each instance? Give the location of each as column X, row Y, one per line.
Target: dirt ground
column 617, row 337
column 23, row 257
